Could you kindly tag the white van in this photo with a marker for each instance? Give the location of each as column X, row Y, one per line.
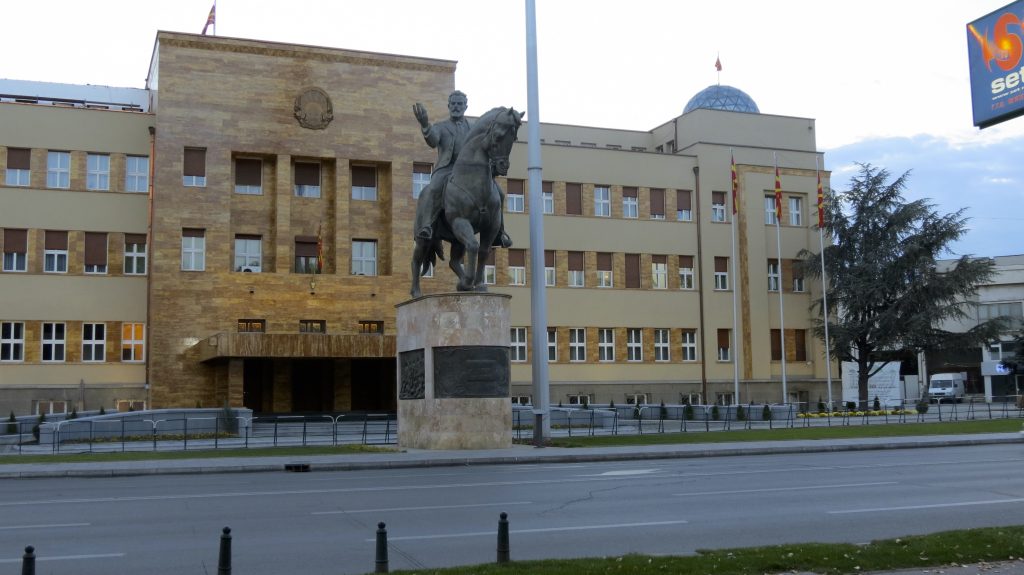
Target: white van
column 947, row 386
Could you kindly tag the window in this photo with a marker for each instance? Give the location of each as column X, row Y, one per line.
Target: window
column 796, row 268
column 552, row 344
column 776, row 345
column 723, row 398
column 193, row 250
column 95, row 253
column 364, row 183
column 773, row 275
column 689, row 339
column 718, row 206
column 248, row 254
column 248, row 176
column 15, row 250
column 633, row 271
column 58, row 170
column 605, row 344
column 97, row 172
column 125, row 405
column 769, row 209
column 48, row 407
column 547, row 197
column 371, row 326
column 630, row 208
column 549, row 268
column 136, row 174
column 133, row 342
column 490, row 272
column 577, row 344
column 602, row 201
column 306, row 259
column 686, row 272
column 795, row 352
column 364, row 257
column 796, row 211
column 1012, row 310
column 19, row 164
column 515, row 200
column 252, row 326
column 723, row 345
column 94, row 342
column 574, row 199
column 517, row 350
column 521, row 400
column 516, row 267
column 576, row 269
column 12, row 341
column 312, row 326
column 307, row 179
column 659, row 272
column 135, row 254
column 634, row 344
column 420, row 178
column 721, row 273
column 800, row 345
column 194, row 169
column 604, row 270
column 55, row 252
column 657, row 204
column 684, row 211
column 579, row 399
column 636, row 399
column 53, row 341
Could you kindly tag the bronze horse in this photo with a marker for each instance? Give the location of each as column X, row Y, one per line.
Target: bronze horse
column 472, row 203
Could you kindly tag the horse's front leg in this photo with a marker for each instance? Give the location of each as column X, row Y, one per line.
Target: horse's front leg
column 463, row 232
column 418, row 255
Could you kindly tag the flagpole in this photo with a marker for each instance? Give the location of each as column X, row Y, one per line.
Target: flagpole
column 778, row 243
column 214, row 17
column 824, row 281
column 735, row 287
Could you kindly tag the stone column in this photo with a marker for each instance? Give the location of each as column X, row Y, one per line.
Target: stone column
column 453, row 372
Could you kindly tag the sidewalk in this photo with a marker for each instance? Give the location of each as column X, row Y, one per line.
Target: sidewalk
column 517, row 454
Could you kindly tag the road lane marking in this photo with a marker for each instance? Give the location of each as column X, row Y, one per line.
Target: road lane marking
column 425, row 508
column 44, row 526
column 68, row 557
column 623, row 472
column 771, row 489
column 930, row 506
column 540, row 530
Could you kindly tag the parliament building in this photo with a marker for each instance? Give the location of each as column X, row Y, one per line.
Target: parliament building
column 239, row 231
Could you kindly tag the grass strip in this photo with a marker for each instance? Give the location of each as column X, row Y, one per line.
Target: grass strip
column 948, row 548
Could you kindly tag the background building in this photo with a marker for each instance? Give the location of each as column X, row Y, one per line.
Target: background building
column 263, row 266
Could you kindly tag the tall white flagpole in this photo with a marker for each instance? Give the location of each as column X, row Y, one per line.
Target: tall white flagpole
column 735, row 286
column 824, row 283
column 778, row 243
column 538, row 295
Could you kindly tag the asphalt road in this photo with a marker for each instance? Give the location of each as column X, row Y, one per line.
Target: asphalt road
column 325, row 522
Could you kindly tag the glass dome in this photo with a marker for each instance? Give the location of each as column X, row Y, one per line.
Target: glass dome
column 719, row 97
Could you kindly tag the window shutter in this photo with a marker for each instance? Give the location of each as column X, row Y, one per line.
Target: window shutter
column 421, row 168
column 574, row 199
column 490, row 258
column 135, row 239
column 247, row 172
column 305, row 246
column 56, row 240
column 364, row 176
column 604, row 261
column 776, row 346
column 686, row 262
column 722, row 265
column 657, row 202
column 576, row 261
column 718, row 198
column 659, row 259
column 195, row 162
column 95, row 249
column 193, row 232
column 515, row 187
column 545, row 187
column 632, row 270
column 15, row 241
column 307, row 174
column 723, row 339
column 549, row 258
column 516, row 258
column 19, row 158
column 683, row 199
column 629, row 192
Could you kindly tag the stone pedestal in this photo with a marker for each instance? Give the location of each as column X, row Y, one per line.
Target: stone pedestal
column 454, row 372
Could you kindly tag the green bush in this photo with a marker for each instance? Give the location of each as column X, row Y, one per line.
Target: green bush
column 35, row 428
column 102, row 411
column 766, row 413
column 12, row 424
column 877, row 405
column 851, row 405
column 688, row 411
column 74, row 413
column 741, row 414
column 663, row 411
column 714, row 412
column 922, row 406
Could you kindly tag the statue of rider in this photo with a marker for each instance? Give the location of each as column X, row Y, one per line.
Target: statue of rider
column 447, row 136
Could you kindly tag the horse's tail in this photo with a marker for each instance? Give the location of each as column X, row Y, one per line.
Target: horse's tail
column 433, row 253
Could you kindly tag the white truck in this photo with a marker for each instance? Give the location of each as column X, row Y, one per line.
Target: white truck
column 947, row 386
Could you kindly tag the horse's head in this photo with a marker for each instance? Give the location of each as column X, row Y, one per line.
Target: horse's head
column 502, row 127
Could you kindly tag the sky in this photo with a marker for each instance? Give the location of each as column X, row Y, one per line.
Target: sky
column 885, row 81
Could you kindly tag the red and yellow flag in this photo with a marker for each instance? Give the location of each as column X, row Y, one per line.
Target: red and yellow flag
column 211, row 20
column 778, row 195
column 319, row 249
column 735, row 183
column 821, row 204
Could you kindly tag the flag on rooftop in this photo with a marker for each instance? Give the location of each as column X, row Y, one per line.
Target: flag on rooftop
column 821, row 204
column 211, row 20
column 778, row 194
column 718, row 64
column 735, row 183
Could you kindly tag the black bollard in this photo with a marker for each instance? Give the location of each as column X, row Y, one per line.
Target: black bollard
column 224, row 561
column 381, row 564
column 28, row 561
column 503, row 538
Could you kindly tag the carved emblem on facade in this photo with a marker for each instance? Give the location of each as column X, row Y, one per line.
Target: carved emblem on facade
column 313, row 109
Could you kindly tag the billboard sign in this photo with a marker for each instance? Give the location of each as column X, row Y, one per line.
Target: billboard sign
column 995, row 46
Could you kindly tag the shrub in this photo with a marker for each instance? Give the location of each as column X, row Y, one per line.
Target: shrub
column 35, row 428
column 922, row 406
column 102, row 411
column 821, row 406
column 877, row 405
column 663, row 410
column 688, row 411
column 851, row 405
column 12, row 424
column 74, row 413
column 714, row 412
column 611, row 404
column 741, row 415
column 766, row 412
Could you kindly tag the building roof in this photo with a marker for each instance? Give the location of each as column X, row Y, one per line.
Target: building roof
column 720, row 97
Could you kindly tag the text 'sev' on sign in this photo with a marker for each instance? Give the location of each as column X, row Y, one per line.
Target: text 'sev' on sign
column 995, row 46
